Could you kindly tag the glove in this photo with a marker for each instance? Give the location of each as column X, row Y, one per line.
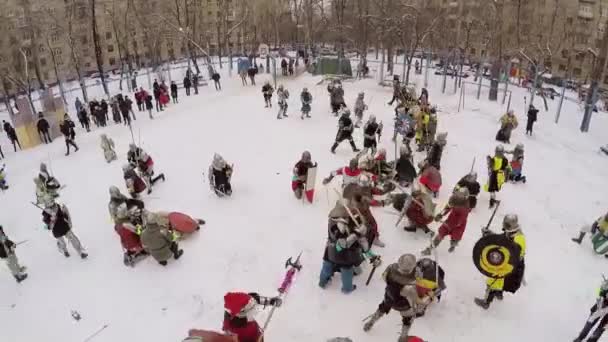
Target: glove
column 276, row 301
column 326, row 180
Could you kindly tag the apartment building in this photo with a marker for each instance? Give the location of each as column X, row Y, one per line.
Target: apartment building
column 578, row 29
column 52, row 34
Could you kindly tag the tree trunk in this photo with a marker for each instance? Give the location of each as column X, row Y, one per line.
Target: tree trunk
column 219, row 44
column 56, row 70
column 98, row 51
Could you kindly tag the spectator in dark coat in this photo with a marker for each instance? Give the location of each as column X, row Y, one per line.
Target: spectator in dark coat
column 174, row 92
column 83, row 117
column 251, row 72
column 284, row 67
column 129, row 105
column 216, row 81
column 156, row 90
column 291, row 62
column 187, row 85
column 104, row 111
column 43, row 129
column 532, row 116
column 67, row 129
column 124, row 110
column 195, row 79
column 149, row 105
column 12, row 135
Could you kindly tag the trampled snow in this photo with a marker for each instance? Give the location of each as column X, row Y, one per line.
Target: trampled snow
column 248, row 237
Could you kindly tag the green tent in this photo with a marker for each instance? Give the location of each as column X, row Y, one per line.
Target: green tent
column 329, row 66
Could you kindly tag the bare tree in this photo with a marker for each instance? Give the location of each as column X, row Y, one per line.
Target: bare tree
column 227, row 24
column 49, row 31
column 413, row 28
column 97, row 45
column 32, row 40
column 73, row 9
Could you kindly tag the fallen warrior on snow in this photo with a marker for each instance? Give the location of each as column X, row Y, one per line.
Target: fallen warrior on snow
column 220, row 174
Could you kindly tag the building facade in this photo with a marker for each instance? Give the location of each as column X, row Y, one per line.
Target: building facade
column 56, row 36
column 566, row 35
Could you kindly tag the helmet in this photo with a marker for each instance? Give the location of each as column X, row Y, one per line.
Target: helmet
column 132, row 147
column 462, row 191
column 104, row 137
column 382, row 152
column 433, row 110
column 306, row 156
column 499, row 149
column 361, row 94
column 345, row 111
column 401, row 110
column 472, row 175
column 519, row 147
column 127, row 167
column 218, row 162
column 510, row 223
column 364, row 180
column 121, row 211
column 406, row 263
column 353, row 164
column 404, row 150
column 114, row 192
column 305, row 89
column 43, row 167
column 372, row 118
column 280, row 86
column 511, row 112
column 426, row 263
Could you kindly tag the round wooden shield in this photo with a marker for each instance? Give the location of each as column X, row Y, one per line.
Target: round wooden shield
column 495, row 255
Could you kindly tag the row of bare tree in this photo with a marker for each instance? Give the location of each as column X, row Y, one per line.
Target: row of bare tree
column 495, row 32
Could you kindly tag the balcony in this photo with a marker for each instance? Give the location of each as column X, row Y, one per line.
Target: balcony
column 588, row 1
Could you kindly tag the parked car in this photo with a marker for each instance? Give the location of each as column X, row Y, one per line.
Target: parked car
column 452, row 72
column 548, row 92
column 98, row 75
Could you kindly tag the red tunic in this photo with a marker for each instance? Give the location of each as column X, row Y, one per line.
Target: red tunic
column 129, row 240
column 456, row 223
column 248, row 333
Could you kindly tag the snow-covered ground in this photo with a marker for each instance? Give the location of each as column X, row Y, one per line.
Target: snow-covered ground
column 248, row 237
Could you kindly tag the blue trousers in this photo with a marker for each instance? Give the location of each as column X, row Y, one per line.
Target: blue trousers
column 347, row 273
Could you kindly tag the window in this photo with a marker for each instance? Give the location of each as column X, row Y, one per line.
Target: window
column 59, row 59
column 135, row 44
column 57, row 52
column 577, row 71
column 54, row 37
column 605, row 12
column 87, row 64
column 108, row 35
column 170, row 44
column 41, row 48
column 112, row 61
column 473, row 51
column 606, row 80
column 601, row 28
column 110, row 48
column 579, row 57
column 586, row 10
column 562, row 67
column 564, row 53
column 182, row 50
column 84, row 40
column 45, row 76
column 43, row 61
